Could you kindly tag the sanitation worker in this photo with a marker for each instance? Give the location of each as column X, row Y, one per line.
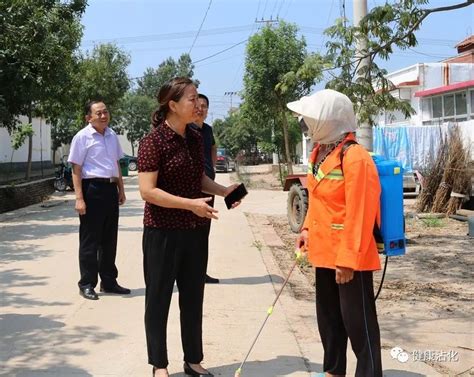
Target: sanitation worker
column 344, row 194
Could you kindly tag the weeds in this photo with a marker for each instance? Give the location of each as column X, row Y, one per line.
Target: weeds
column 257, row 244
column 433, row 222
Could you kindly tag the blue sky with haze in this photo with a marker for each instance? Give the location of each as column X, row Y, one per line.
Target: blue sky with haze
column 153, row 30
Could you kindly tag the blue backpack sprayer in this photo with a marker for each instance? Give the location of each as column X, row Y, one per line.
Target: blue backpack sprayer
column 390, row 235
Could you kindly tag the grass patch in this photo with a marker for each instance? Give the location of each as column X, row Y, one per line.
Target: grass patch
column 433, row 222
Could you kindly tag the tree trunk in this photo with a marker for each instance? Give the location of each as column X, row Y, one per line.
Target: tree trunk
column 284, row 124
column 30, row 148
column 133, row 148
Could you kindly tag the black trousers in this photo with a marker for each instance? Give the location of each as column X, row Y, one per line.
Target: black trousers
column 348, row 311
column 169, row 256
column 98, row 234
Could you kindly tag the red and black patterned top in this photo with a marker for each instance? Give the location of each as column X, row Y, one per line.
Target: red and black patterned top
column 180, row 165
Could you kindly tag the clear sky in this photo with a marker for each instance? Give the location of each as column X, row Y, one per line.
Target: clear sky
column 152, row 30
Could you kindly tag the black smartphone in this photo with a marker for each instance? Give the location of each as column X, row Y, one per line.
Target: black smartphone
column 235, row 195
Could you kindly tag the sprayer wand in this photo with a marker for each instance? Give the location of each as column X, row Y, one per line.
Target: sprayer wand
column 269, row 312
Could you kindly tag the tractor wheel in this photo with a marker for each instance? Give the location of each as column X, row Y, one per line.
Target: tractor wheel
column 297, row 206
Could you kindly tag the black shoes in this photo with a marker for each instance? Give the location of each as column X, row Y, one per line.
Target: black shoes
column 117, row 289
column 210, row 280
column 191, row 372
column 88, row 293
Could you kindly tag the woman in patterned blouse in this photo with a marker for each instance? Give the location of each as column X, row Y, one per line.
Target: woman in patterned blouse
column 171, row 178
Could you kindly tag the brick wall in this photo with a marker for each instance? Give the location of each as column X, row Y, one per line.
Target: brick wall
column 25, row 194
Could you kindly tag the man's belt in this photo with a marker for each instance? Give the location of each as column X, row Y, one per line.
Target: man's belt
column 103, row 180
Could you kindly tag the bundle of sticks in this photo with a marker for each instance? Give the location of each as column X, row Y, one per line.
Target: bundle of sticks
column 455, row 185
column 433, row 176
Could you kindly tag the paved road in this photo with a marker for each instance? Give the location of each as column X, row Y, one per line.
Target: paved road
column 47, row 329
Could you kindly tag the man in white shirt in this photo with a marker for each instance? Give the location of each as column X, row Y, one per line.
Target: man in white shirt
column 95, row 154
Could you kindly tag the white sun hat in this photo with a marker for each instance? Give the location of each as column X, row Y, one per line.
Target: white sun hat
column 327, row 113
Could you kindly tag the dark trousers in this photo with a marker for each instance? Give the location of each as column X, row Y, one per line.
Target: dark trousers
column 98, row 234
column 169, row 256
column 348, row 311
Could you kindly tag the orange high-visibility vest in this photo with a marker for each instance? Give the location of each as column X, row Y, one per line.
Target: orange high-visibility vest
column 343, row 207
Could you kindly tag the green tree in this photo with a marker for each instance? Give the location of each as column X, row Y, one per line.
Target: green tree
column 273, row 77
column 37, row 40
column 135, row 117
column 153, row 79
column 236, row 133
column 358, row 75
column 100, row 74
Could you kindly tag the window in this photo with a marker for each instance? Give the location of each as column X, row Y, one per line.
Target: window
column 472, row 102
column 437, row 107
column 452, row 107
column 461, row 103
column 449, row 105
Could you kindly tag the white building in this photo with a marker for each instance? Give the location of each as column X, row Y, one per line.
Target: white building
column 438, row 92
column 41, row 147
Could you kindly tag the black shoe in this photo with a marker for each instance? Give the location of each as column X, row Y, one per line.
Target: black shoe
column 191, row 372
column 88, row 293
column 210, row 280
column 117, row 289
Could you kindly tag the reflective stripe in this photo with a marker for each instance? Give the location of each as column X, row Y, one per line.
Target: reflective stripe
column 310, row 168
column 320, row 175
column 337, row 226
column 335, row 174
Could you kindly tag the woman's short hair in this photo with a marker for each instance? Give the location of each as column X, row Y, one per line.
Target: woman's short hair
column 173, row 90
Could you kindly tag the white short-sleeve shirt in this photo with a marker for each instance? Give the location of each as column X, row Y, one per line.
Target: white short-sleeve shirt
column 97, row 154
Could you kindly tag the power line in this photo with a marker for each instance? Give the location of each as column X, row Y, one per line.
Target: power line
column 220, row 52
column 258, row 9
column 274, row 8
column 170, row 36
column 279, row 8
column 200, row 27
column 327, row 24
column 220, row 60
column 287, row 8
column 264, row 8
column 242, row 62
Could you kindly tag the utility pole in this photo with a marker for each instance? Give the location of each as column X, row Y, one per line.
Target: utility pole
column 231, row 94
column 268, row 22
column 364, row 132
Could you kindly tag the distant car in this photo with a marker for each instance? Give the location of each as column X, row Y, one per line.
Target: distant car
column 131, row 161
column 224, row 162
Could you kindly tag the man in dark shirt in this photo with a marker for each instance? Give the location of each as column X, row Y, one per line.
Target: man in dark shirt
column 210, row 154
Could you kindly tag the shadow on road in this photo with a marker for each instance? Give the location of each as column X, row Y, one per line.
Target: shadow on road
column 33, row 339
column 279, row 366
column 251, row 280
